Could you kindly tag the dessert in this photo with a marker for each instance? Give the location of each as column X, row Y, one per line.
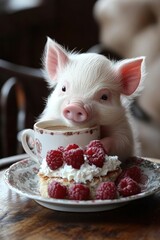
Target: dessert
column 79, row 174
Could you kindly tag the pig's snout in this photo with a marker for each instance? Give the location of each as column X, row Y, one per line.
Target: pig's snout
column 75, row 112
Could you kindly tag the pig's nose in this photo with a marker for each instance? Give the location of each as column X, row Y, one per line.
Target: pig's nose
column 75, row 113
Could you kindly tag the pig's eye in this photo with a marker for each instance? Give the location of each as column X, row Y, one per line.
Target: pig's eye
column 104, row 97
column 64, row 89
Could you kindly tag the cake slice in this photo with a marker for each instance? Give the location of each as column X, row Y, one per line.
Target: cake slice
column 71, row 166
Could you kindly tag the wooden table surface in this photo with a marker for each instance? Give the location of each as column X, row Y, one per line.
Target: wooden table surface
column 23, row 218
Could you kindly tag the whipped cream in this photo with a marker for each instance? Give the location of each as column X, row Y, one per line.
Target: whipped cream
column 86, row 172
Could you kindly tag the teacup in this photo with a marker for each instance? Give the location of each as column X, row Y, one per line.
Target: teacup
column 47, row 135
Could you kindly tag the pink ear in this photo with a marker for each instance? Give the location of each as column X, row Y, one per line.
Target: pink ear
column 55, row 58
column 130, row 72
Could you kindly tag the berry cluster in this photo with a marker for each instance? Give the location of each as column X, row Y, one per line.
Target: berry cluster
column 73, row 155
column 125, row 186
column 74, row 192
column 79, row 191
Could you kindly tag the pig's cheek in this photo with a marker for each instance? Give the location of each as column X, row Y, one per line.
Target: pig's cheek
column 89, row 110
column 60, row 93
column 92, row 110
column 57, row 101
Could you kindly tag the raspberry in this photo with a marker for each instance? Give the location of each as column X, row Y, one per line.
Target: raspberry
column 71, row 146
column 74, row 157
column 98, row 144
column 132, row 172
column 56, row 190
column 127, row 187
column 61, row 148
column 95, row 156
column 54, row 159
column 78, row 192
column 106, row 190
column 95, row 143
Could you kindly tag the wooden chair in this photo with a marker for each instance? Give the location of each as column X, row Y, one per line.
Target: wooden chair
column 22, row 97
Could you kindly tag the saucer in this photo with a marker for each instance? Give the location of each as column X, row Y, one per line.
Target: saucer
column 22, row 178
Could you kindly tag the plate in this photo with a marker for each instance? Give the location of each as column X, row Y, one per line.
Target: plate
column 22, row 178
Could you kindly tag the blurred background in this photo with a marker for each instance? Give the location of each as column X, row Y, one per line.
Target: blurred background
column 116, row 28
column 24, row 25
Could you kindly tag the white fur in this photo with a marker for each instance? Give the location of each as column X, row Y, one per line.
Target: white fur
column 85, row 76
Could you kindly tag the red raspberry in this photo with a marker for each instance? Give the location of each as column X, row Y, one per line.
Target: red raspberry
column 61, row 148
column 74, row 157
column 56, row 190
column 78, row 192
column 133, row 172
column 71, row 146
column 98, row 144
column 95, row 156
column 127, row 187
column 54, row 159
column 95, row 143
column 106, row 190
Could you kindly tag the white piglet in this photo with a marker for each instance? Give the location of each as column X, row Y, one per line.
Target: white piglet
column 88, row 90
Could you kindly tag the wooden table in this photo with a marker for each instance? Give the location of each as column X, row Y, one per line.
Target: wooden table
column 23, row 218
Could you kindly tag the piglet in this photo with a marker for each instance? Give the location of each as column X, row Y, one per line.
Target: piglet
column 88, row 90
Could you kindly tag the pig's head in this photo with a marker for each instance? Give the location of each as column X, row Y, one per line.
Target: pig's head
column 87, row 86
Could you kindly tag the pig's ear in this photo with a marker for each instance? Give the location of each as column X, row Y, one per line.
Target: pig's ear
column 130, row 72
column 55, row 58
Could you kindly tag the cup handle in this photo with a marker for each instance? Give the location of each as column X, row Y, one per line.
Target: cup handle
column 26, row 134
